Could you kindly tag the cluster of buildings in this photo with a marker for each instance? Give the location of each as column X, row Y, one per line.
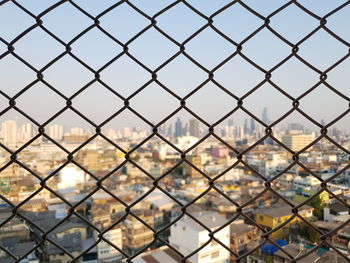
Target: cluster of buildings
column 101, row 208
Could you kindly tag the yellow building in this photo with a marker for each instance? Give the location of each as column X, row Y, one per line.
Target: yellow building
column 196, row 160
column 296, row 142
column 272, row 217
column 93, row 160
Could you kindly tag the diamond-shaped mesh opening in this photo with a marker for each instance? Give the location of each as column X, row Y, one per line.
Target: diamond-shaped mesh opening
column 319, row 43
column 32, row 47
column 305, row 23
column 125, row 76
column 261, row 45
column 66, row 28
column 188, row 23
column 31, row 103
column 157, row 50
column 8, row 13
column 9, row 65
column 238, row 76
column 174, row 131
column 207, row 55
column 237, row 23
column 124, row 14
column 85, row 49
column 58, row 75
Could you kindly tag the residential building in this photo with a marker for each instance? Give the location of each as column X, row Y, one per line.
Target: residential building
column 274, row 216
column 297, row 142
column 187, row 235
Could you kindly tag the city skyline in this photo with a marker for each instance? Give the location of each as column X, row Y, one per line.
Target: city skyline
column 181, row 76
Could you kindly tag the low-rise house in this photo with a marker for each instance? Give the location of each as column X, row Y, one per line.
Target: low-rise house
column 187, row 235
column 241, row 235
column 274, row 216
column 336, row 212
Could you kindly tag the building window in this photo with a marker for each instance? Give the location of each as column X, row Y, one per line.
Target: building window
column 214, row 243
column 215, row 255
column 204, row 256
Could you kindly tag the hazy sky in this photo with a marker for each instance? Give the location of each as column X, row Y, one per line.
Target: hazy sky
column 181, row 75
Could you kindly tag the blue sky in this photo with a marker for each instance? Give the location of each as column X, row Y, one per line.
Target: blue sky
column 181, row 75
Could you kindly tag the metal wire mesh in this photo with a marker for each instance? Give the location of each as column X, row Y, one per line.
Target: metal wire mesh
column 238, row 48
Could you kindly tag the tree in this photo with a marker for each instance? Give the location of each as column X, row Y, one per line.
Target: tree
column 318, row 204
column 309, row 233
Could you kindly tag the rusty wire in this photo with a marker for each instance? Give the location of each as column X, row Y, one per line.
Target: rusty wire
column 238, row 48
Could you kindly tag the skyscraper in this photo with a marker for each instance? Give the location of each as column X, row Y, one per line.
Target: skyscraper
column 246, row 128
column 194, row 128
column 264, row 116
column 26, row 132
column 9, row 132
column 252, row 126
column 185, row 130
column 56, row 132
column 178, row 128
column 170, row 130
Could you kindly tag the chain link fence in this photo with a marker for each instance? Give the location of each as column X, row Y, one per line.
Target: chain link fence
column 238, row 50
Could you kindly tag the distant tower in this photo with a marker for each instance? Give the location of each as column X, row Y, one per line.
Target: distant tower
column 170, row 131
column 9, row 132
column 185, row 130
column 56, row 132
column 194, row 128
column 252, row 126
column 265, row 117
column 26, row 132
column 246, row 128
column 178, row 128
column 230, row 122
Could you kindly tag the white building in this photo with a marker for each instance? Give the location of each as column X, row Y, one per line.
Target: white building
column 77, row 131
column 186, row 142
column 56, row 132
column 308, row 182
column 26, row 132
column 336, row 212
column 70, row 176
column 296, row 142
column 107, row 253
column 126, row 132
column 9, row 132
column 187, row 236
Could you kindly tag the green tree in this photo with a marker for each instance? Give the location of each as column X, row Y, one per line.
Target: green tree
column 309, row 233
column 318, row 205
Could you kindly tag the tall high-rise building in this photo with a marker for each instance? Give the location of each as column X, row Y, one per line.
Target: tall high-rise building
column 77, row 131
column 252, row 126
column 56, row 132
column 127, row 132
column 163, row 129
column 9, row 132
column 194, row 128
column 240, row 132
column 178, row 128
column 26, row 132
column 265, row 116
column 185, row 130
column 230, row 122
column 246, row 127
column 170, row 130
